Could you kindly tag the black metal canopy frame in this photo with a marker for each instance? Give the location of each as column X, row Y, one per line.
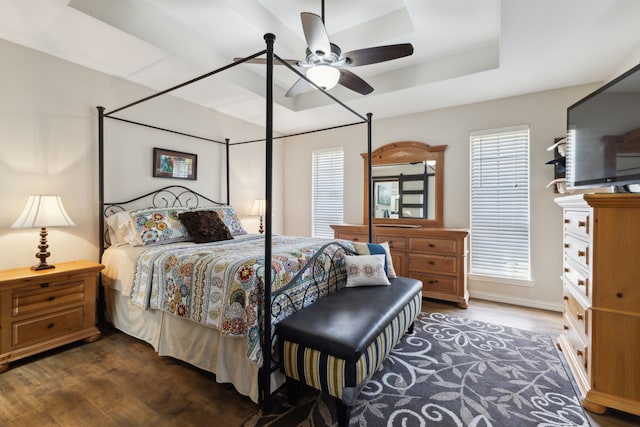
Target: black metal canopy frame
column 266, row 369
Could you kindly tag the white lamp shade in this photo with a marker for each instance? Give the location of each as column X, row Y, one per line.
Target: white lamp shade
column 324, row 76
column 259, row 207
column 43, row 211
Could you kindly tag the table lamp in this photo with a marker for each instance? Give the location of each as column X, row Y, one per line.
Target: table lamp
column 259, row 207
column 43, row 211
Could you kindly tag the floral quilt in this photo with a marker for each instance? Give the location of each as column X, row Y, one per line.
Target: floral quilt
column 218, row 285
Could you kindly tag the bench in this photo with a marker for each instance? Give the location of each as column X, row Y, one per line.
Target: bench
column 337, row 343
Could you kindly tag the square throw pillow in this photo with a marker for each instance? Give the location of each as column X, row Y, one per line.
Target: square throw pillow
column 229, row 216
column 121, row 230
column 157, row 226
column 205, row 226
column 377, row 248
column 365, row 270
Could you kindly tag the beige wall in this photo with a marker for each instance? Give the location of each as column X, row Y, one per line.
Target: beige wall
column 544, row 112
column 48, row 145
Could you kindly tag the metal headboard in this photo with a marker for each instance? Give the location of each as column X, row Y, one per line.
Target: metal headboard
column 172, row 196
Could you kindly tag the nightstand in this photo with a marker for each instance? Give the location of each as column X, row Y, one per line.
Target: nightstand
column 41, row 310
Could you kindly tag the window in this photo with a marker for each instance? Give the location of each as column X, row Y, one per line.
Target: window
column 327, row 189
column 500, row 203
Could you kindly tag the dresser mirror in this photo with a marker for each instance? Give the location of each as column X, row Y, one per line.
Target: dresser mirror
column 407, row 181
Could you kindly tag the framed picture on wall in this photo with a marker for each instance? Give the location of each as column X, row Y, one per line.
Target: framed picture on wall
column 174, row 164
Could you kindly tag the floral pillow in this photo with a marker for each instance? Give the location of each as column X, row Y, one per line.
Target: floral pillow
column 377, row 248
column 230, row 218
column 365, row 270
column 156, row 226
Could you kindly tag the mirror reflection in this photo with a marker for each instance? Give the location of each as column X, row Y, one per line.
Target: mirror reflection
column 405, row 190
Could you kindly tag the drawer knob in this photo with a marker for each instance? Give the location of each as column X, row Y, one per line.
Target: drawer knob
column 582, row 224
column 432, row 282
column 51, row 298
column 431, row 245
column 580, row 353
column 581, row 282
column 566, row 327
column 50, row 325
column 566, row 245
column 567, row 221
column 355, row 239
column 581, row 253
column 566, row 298
column 44, row 285
column 431, row 263
column 619, row 294
column 579, row 316
column 567, row 269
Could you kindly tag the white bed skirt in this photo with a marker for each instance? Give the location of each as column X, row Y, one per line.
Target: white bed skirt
column 190, row 342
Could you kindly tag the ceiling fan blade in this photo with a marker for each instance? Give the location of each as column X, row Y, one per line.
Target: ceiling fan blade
column 293, row 62
column 298, row 87
column 374, row 55
column 353, row 82
column 315, row 33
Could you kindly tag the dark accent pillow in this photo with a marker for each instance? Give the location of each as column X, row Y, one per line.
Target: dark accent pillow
column 205, row 226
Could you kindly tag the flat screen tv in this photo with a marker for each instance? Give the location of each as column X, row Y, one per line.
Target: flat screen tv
column 603, row 135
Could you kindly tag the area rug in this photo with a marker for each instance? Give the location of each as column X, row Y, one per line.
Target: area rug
column 453, row 372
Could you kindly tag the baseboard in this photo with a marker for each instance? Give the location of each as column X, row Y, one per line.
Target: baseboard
column 526, row 302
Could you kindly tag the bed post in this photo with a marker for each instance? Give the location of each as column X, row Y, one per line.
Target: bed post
column 228, row 186
column 369, row 184
column 100, row 179
column 266, row 345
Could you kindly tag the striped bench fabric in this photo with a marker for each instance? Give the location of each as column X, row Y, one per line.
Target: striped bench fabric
column 314, row 352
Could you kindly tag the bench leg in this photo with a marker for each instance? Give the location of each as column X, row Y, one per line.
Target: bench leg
column 410, row 330
column 343, row 412
column 293, row 390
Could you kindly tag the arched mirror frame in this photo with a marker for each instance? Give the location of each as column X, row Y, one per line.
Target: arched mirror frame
column 407, row 152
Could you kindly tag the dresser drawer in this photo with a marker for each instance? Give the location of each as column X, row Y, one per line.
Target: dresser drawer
column 431, row 245
column 354, row 237
column 577, row 250
column 579, row 347
column 395, row 242
column 437, row 284
column 41, row 328
column 576, row 277
column 432, row 264
column 40, row 297
column 576, row 312
column 577, row 222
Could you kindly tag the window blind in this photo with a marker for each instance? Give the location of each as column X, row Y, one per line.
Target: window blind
column 327, row 191
column 500, row 203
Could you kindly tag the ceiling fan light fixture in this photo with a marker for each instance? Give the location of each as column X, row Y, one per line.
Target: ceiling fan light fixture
column 324, row 76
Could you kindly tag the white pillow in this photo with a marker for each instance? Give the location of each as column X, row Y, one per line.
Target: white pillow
column 376, row 248
column 365, row 270
column 121, row 230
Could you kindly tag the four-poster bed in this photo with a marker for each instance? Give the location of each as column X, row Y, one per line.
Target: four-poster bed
column 197, row 342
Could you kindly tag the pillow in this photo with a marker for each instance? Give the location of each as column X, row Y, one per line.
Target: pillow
column 157, row 226
column 377, row 248
column 365, row 270
column 228, row 215
column 205, row 226
column 121, row 230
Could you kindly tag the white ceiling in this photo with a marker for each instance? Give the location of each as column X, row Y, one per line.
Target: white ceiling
column 465, row 50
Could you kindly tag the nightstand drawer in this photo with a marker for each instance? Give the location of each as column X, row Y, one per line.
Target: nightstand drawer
column 45, row 327
column 432, row 264
column 441, row 246
column 36, row 298
column 353, row 237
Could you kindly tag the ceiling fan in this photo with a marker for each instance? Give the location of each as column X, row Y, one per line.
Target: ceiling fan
column 326, row 64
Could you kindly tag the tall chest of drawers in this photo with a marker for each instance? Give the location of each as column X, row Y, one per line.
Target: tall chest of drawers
column 601, row 291
column 437, row 256
column 41, row 310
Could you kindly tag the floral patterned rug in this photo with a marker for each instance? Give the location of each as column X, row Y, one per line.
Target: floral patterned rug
column 453, row 372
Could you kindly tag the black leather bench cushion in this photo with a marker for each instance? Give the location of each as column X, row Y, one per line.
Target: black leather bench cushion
column 344, row 323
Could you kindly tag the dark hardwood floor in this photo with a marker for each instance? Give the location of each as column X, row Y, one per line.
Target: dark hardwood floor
column 120, row 381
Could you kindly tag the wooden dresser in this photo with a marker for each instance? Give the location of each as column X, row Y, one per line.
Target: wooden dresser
column 437, row 256
column 41, row 310
column 601, row 280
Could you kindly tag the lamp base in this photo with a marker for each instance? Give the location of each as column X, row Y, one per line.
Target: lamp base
column 43, row 254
